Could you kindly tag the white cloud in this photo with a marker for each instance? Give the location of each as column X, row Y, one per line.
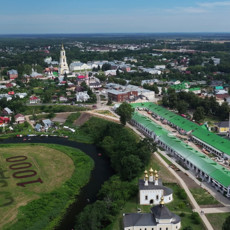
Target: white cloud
column 214, row 4
column 200, row 8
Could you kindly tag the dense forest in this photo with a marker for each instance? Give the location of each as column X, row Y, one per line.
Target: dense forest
column 129, row 156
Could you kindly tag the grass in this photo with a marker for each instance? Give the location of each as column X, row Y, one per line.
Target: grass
column 36, row 109
column 165, row 159
column 217, row 219
column 163, row 172
column 71, row 118
column 55, row 165
column 105, row 112
column 40, row 158
column 203, row 197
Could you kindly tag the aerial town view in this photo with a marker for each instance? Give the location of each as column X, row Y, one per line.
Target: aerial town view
column 115, row 115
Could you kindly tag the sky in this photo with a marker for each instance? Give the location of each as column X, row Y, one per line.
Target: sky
column 113, row 16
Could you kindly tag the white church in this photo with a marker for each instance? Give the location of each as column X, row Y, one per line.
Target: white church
column 160, row 218
column 151, row 189
column 152, row 192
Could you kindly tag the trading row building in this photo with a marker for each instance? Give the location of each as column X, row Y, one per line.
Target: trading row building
column 204, row 167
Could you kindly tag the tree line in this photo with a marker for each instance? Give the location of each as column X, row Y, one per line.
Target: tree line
column 128, row 157
column 208, row 106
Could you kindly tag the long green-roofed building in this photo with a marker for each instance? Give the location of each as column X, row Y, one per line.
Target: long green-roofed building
column 207, row 169
column 210, row 141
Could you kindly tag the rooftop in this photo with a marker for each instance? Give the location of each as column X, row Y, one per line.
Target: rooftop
column 197, row 158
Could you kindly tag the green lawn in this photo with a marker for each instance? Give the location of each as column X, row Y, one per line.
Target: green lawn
column 203, row 197
column 217, row 219
column 71, row 118
column 165, row 159
column 63, row 171
column 179, row 206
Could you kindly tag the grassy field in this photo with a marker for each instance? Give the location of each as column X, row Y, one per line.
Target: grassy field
column 105, row 112
column 164, row 173
column 203, row 197
column 55, row 165
column 51, row 175
column 217, row 219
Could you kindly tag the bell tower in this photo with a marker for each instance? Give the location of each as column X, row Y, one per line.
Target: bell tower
column 63, row 66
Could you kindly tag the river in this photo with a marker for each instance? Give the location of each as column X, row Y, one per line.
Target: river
column 101, row 172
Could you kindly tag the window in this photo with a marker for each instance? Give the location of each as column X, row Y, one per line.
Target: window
column 157, row 197
column 146, row 197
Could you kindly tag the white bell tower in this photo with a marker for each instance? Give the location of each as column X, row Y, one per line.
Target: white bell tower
column 63, row 66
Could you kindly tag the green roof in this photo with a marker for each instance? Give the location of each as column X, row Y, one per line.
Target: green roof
column 179, row 86
column 217, row 142
column 200, row 160
column 194, row 89
column 219, row 87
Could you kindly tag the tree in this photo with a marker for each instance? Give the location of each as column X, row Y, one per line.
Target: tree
column 130, row 164
column 106, row 66
column 109, row 101
column 125, row 112
column 226, row 225
column 182, row 107
column 198, row 115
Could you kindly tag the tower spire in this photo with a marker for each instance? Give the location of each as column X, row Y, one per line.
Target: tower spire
column 63, row 66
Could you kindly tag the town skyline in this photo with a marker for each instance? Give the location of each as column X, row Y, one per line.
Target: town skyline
column 114, row 17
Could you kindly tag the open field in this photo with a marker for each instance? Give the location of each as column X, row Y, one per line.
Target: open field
column 39, row 182
column 164, row 173
column 203, row 197
column 46, row 162
column 217, row 219
column 105, row 112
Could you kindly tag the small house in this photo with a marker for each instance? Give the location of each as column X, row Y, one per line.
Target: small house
column 19, row 118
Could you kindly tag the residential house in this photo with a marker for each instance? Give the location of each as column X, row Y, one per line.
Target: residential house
column 82, row 96
column 19, row 118
column 7, row 112
column 47, row 123
column 223, row 127
column 38, row 127
column 34, row 100
column 4, row 120
column 63, row 99
column 12, row 74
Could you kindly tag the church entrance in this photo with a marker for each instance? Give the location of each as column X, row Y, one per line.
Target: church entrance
column 151, row 201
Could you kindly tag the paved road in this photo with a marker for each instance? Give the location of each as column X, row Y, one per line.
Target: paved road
column 216, row 210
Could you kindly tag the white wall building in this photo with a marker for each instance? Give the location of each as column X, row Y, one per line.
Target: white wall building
column 77, row 65
column 82, row 96
column 160, row 218
column 151, row 190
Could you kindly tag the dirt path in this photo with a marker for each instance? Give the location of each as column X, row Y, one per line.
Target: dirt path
column 82, row 119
